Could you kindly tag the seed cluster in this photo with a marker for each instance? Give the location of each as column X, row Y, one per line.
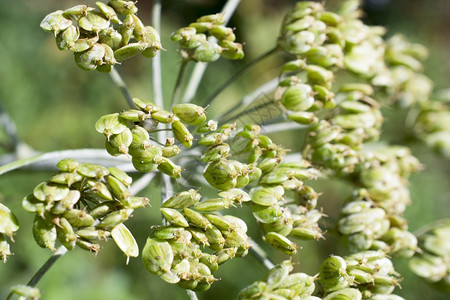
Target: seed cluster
column 207, row 39
column 174, row 252
column 128, row 133
column 8, row 226
column 270, row 181
column 433, row 262
column 279, row 284
column 83, row 204
column 363, row 275
column 100, row 39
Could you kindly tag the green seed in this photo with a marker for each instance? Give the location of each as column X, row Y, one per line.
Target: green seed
column 125, row 241
column 190, row 114
column 157, row 256
column 174, row 217
column 55, row 22
column 221, row 174
column 280, row 242
column 128, row 51
column 196, row 218
column 44, row 233
column 8, row 221
column 108, row 12
column 183, row 199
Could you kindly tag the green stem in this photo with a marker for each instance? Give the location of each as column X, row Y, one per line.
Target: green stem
column 55, row 156
column 200, row 68
column 261, row 255
column 192, row 295
column 45, row 267
column 177, row 88
column 238, row 74
column 117, row 79
column 156, row 61
column 265, row 88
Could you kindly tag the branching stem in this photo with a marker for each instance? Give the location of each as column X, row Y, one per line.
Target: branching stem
column 117, row 79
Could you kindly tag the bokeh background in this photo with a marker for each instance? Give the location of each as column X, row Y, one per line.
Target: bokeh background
column 55, row 105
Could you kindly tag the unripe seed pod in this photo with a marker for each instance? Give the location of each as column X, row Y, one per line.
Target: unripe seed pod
column 199, row 236
column 79, row 218
column 305, row 233
column 31, row 204
column 231, row 50
column 222, row 33
column 190, row 114
column 211, row 205
column 267, row 196
column 68, row 37
column 49, row 193
column 119, row 190
column 157, row 256
column 66, row 178
column 215, row 238
column 297, row 97
column 97, row 21
column 278, row 274
column 213, row 139
column 182, row 134
column 8, row 221
column 89, row 60
column 183, row 34
column 108, row 12
column 361, row 277
column 77, row 11
column 121, row 176
column 67, row 165
column 221, row 174
column 201, row 27
column 143, row 165
column 209, row 126
column 300, row 24
column 319, row 74
column 266, row 214
column 88, row 246
column 110, row 37
column 55, row 22
column 207, row 52
column 280, row 242
column 168, row 167
column 92, row 234
column 122, row 141
column 44, row 233
column 128, row 51
column 65, row 233
column 123, row 7
column 115, row 218
column 196, row 218
column 100, row 210
column 170, row 151
column 174, row 217
column 125, row 241
column 25, row 292
column 303, row 117
column 298, row 43
column 344, row 294
column 216, row 19
column 256, row 288
column 110, row 124
column 219, row 221
column 236, row 195
column 92, row 170
column 183, row 200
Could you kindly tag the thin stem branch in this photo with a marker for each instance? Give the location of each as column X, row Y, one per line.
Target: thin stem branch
column 156, row 61
column 47, row 265
column 142, row 183
column 235, row 76
column 200, row 68
column 261, row 255
column 177, row 88
column 55, row 156
column 265, row 88
column 10, row 127
column 117, row 79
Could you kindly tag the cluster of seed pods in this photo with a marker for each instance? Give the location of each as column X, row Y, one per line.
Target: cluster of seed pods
column 433, row 262
column 279, row 284
column 207, row 39
column 100, row 39
column 369, row 273
column 269, row 181
column 8, row 226
column 83, row 204
column 175, row 252
column 129, row 132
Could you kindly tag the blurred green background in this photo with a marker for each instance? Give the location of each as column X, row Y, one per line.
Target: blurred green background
column 55, row 105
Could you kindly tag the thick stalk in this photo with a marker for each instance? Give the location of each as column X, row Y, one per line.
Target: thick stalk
column 192, row 295
column 200, row 68
column 117, row 79
column 156, row 61
column 260, row 255
column 238, row 74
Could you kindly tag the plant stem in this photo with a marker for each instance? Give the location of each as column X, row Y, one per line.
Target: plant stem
column 45, row 267
column 177, row 88
column 265, row 88
column 192, row 295
column 200, row 68
column 156, row 61
column 142, row 183
column 117, row 79
column 261, row 255
column 238, row 74
column 55, row 156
